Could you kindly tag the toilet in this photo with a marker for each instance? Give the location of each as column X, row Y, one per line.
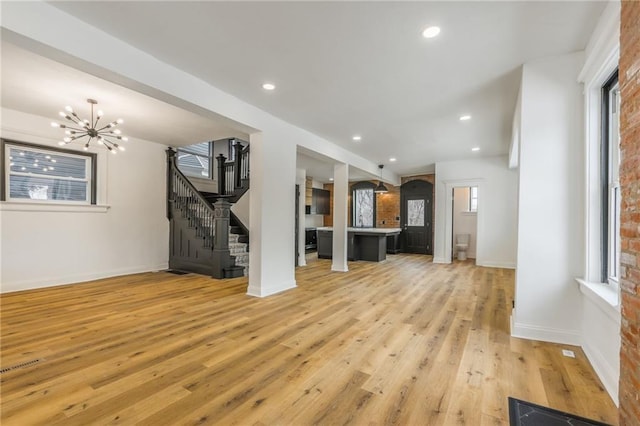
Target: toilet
column 462, row 244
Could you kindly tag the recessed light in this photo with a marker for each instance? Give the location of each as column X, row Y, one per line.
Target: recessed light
column 268, row 86
column 476, row 148
column 392, row 159
column 465, row 117
column 357, row 138
column 431, row 32
column 331, row 179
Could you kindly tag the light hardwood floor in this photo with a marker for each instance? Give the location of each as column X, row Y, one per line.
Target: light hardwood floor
column 403, row 341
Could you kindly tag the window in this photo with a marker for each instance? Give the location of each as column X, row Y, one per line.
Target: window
column 473, row 199
column 196, row 160
column 363, row 205
column 43, row 174
column 610, row 180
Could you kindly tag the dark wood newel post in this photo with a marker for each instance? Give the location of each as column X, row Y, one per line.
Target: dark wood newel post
column 171, row 154
column 221, row 254
column 221, row 175
column 237, row 172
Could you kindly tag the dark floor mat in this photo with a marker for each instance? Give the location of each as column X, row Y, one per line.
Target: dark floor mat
column 523, row 413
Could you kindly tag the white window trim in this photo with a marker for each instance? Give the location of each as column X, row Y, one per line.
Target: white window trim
column 605, row 296
column 8, row 145
column 602, row 61
column 44, row 149
column 15, row 206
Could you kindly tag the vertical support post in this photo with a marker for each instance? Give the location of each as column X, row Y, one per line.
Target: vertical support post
column 171, row 154
column 221, row 176
column 221, row 253
column 237, row 167
column 340, row 203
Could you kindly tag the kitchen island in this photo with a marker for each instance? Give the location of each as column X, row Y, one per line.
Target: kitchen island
column 362, row 243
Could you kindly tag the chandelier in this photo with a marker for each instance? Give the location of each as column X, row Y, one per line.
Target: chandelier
column 107, row 135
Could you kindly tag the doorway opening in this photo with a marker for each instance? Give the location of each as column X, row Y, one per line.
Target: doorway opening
column 449, row 235
column 464, row 220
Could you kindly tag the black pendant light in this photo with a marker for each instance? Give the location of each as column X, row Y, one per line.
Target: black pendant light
column 380, row 189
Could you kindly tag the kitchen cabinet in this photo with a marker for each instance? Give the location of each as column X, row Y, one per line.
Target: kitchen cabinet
column 320, row 201
column 362, row 243
column 307, row 193
column 310, row 239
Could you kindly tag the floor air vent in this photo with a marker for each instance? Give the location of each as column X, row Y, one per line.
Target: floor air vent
column 23, row 365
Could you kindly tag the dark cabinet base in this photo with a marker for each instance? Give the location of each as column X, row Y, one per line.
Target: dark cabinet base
column 360, row 246
column 325, row 244
column 393, row 244
column 372, row 247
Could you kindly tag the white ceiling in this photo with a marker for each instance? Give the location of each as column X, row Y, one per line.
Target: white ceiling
column 345, row 68
column 36, row 85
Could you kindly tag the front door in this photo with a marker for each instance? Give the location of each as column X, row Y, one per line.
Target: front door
column 416, row 214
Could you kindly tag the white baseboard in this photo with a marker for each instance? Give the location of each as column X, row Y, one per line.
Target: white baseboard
column 9, row 287
column 439, row 260
column 545, row 334
column 264, row 291
column 604, row 370
column 497, row 264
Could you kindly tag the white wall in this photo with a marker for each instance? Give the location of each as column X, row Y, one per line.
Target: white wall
column 550, row 239
column 313, row 220
column 464, row 221
column 241, row 208
column 58, row 246
column 497, row 198
column 204, row 185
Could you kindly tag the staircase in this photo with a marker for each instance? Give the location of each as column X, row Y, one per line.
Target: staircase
column 239, row 252
column 205, row 236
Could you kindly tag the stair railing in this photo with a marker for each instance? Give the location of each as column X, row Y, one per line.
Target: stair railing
column 194, row 207
column 210, row 223
column 233, row 176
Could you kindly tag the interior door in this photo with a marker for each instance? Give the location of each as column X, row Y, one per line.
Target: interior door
column 416, row 217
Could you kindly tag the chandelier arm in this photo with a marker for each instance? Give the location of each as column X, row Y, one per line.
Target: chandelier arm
column 110, row 125
column 108, row 145
column 95, row 123
column 72, row 128
column 76, row 121
column 105, row 140
column 76, row 116
column 110, row 135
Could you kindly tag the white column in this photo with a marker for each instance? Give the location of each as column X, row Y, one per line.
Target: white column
column 340, row 211
column 272, row 209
